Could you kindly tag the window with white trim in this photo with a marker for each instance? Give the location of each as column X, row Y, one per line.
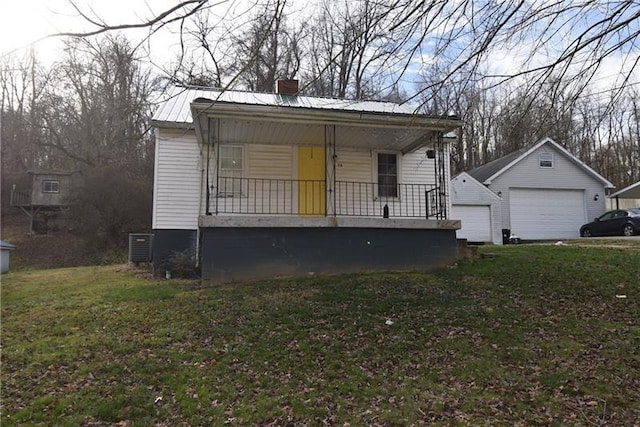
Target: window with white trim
column 387, row 169
column 545, row 160
column 231, row 170
column 51, row 186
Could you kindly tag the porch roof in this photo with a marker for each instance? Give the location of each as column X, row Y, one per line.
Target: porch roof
column 276, row 118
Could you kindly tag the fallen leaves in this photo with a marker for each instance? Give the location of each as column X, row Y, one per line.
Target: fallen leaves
column 485, row 343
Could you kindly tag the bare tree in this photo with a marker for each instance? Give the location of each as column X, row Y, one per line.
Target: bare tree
column 570, row 39
column 348, row 46
column 547, row 42
column 176, row 13
column 22, row 84
column 266, row 49
column 97, row 114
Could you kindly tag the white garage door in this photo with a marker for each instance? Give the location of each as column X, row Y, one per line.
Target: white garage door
column 546, row 214
column 476, row 222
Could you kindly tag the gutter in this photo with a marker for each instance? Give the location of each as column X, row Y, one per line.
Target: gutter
column 323, row 117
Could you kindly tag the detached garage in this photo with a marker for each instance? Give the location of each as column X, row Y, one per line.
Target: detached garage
column 545, row 192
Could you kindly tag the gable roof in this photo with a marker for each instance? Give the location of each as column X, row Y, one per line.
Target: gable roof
column 490, row 171
column 630, row 192
column 52, row 172
column 483, row 188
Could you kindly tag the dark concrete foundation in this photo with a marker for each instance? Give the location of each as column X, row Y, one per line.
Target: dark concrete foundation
column 230, row 254
column 167, row 244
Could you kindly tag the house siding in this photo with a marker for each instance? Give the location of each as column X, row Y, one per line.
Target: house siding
column 416, row 168
column 354, row 165
column 565, row 175
column 269, row 161
column 177, row 180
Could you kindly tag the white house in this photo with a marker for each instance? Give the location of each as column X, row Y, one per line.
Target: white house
column 270, row 184
column 545, row 192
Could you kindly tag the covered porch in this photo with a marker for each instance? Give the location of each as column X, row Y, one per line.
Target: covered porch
column 320, row 161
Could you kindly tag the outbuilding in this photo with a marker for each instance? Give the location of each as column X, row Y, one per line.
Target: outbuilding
column 478, row 209
column 545, row 192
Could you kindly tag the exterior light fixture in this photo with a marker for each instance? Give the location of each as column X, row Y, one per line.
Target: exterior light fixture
column 596, row 197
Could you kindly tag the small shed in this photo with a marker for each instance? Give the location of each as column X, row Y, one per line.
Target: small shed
column 45, row 198
column 478, row 209
column 5, row 250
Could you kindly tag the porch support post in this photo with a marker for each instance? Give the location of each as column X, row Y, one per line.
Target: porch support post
column 441, row 169
column 330, row 169
column 206, row 165
column 213, row 142
column 31, row 213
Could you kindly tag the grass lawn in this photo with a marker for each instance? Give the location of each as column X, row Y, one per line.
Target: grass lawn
column 531, row 335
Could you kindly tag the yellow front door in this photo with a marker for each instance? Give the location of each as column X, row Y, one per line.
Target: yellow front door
column 311, row 184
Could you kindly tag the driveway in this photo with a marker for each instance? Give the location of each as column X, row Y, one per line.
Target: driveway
column 609, row 241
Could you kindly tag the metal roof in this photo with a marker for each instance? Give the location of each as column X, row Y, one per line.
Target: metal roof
column 176, row 105
column 52, row 172
column 6, row 245
column 630, row 192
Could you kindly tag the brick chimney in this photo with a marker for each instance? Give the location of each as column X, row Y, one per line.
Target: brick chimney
column 287, row 87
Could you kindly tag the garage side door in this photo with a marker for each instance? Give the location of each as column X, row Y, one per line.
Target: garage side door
column 546, row 214
column 476, row 222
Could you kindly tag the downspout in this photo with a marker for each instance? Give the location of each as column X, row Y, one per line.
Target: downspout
column 217, row 150
column 208, row 194
column 333, row 166
column 440, row 170
column 326, row 173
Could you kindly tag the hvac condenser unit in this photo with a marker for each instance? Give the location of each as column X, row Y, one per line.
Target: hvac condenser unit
column 140, row 247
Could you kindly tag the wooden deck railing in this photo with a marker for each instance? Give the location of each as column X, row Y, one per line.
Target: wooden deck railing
column 20, row 198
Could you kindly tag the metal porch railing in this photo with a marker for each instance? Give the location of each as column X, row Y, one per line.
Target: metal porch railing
column 258, row 196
